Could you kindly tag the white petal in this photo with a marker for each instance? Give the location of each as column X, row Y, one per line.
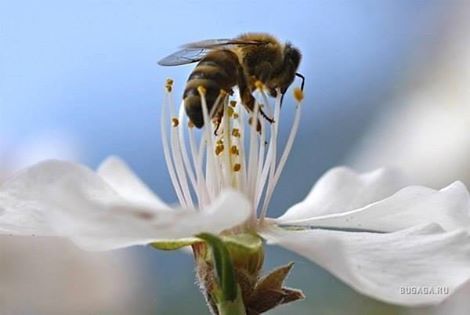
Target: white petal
column 341, row 189
column 383, row 266
column 66, row 199
column 414, row 205
column 123, row 180
column 117, row 226
column 22, row 204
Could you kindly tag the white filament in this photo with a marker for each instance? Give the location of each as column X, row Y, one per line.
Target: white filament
column 220, row 161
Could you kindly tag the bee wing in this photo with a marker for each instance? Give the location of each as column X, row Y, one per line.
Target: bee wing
column 184, row 56
column 195, row 51
column 221, row 43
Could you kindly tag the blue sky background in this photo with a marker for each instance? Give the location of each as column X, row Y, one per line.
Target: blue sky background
column 87, row 69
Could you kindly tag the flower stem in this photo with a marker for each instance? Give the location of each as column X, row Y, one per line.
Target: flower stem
column 231, row 307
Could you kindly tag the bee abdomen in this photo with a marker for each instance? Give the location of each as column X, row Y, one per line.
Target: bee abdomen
column 192, row 99
column 216, row 72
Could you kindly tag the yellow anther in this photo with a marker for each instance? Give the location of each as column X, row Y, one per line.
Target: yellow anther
column 259, row 85
column 234, row 150
column 233, row 103
column 236, row 132
column 222, row 93
column 237, row 167
column 190, row 124
column 201, row 90
column 169, row 85
column 230, row 111
column 235, row 115
column 220, row 142
column 219, row 149
column 298, row 95
column 175, row 122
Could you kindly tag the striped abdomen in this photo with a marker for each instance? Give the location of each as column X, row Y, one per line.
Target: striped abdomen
column 219, row 70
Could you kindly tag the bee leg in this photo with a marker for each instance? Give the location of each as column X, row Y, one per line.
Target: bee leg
column 217, row 122
column 217, row 119
column 269, row 119
column 303, row 80
column 282, row 99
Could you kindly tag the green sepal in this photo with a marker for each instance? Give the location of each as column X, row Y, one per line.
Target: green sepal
column 246, row 251
column 250, row 243
column 175, row 244
column 223, row 266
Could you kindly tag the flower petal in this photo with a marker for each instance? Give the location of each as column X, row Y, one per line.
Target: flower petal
column 385, row 266
column 123, row 180
column 342, row 189
column 22, row 210
column 414, row 205
column 66, row 199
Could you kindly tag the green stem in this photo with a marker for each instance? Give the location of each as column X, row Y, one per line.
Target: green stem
column 231, row 307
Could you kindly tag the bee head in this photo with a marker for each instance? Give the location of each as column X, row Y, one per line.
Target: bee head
column 292, row 57
column 285, row 75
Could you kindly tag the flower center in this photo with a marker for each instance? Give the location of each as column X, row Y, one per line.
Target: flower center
column 235, row 149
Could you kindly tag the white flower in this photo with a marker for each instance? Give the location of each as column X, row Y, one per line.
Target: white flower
column 416, row 236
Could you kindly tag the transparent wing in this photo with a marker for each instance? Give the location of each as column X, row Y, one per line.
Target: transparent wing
column 184, row 56
column 220, row 43
column 195, row 51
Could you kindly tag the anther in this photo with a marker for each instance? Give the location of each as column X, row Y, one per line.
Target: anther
column 219, row 149
column 235, row 115
column 175, row 122
column 298, row 95
column 237, row 167
column 234, row 150
column 233, row 103
column 201, row 90
column 259, row 85
column 236, row 132
column 169, row 85
column 222, row 93
column 190, row 124
column 230, row 111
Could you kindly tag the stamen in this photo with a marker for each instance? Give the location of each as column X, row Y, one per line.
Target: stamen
column 236, row 133
column 237, row 167
column 298, row 95
column 253, row 153
column 166, row 147
column 259, row 85
column 234, row 150
column 219, row 149
column 272, row 157
column 184, row 153
column 177, row 155
column 197, row 161
column 169, row 85
column 218, row 161
column 213, row 176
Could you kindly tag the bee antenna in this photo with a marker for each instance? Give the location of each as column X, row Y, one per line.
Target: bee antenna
column 303, row 80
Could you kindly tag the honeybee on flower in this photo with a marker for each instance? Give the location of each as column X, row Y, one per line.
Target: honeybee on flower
column 372, row 230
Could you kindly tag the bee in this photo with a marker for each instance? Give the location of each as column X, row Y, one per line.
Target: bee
column 242, row 62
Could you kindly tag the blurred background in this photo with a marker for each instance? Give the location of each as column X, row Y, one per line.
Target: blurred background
column 387, row 83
